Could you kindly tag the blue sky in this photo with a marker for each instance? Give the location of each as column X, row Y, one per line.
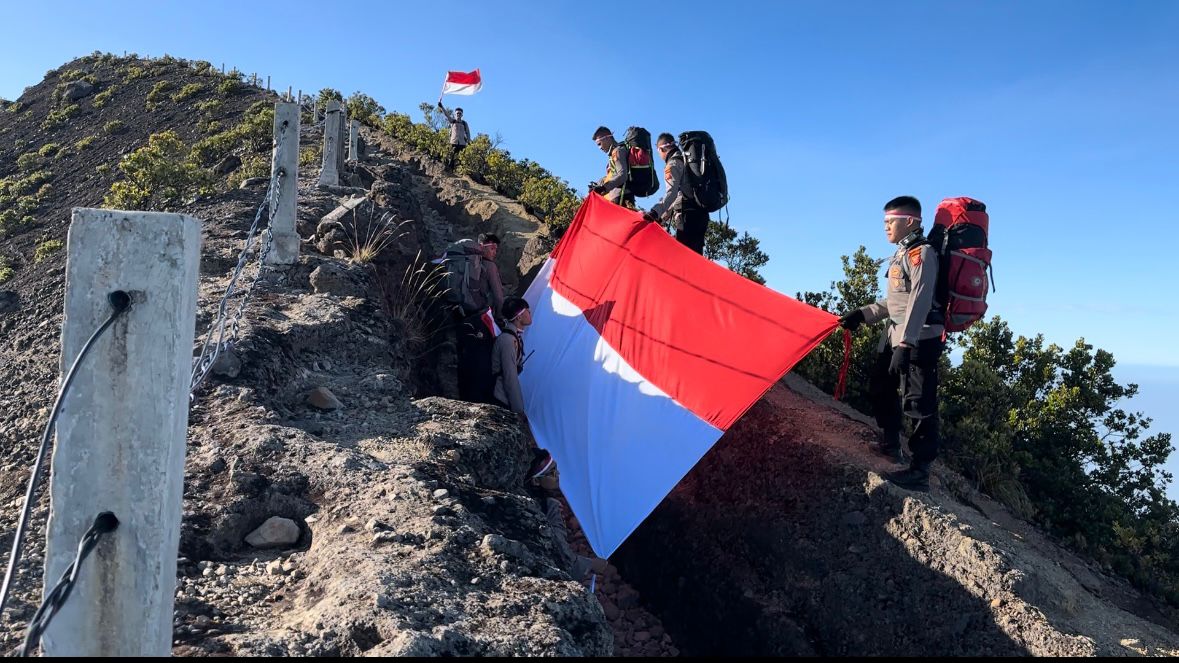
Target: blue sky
column 1061, row 116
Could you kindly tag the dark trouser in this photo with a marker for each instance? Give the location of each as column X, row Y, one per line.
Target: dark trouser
column 917, row 400
column 695, row 226
column 452, row 156
column 473, row 343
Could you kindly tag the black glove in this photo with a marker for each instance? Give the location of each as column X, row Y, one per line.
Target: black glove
column 648, row 216
column 852, row 321
column 900, row 361
column 599, row 189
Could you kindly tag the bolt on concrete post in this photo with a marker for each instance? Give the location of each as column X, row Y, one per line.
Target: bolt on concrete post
column 285, row 247
column 329, row 174
column 354, row 140
column 121, row 433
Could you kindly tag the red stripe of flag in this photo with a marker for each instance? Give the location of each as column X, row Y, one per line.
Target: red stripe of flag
column 463, row 78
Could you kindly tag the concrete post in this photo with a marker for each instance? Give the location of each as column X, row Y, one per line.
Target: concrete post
column 285, row 249
column 121, row 434
column 354, row 140
column 329, row 174
column 343, row 129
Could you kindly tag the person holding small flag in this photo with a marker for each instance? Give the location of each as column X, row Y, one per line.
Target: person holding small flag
column 465, row 83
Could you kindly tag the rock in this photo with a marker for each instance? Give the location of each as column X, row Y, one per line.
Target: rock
column 9, row 301
column 75, row 90
column 324, row 399
column 227, row 365
column 218, row 466
column 251, row 182
column 854, row 518
column 441, row 493
column 374, row 525
column 273, row 533
column 228, row 165
column 341, row 280
column 288, row 567
column 642, row 636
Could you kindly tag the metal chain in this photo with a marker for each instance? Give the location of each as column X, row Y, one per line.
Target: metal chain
column 210, row 351
column 104, row 523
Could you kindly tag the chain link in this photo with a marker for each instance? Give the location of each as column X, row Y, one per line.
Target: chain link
column 104, row 523
column 211, row 351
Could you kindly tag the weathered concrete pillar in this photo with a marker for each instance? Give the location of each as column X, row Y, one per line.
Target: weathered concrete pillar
column 285, row 250
column 329, row 174
column 343, row 131
column 121, row 434
column 354, row 140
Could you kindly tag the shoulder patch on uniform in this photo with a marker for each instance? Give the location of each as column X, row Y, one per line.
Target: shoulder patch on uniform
column 915, row 255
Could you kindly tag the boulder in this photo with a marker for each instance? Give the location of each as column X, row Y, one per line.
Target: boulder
column 274, row 533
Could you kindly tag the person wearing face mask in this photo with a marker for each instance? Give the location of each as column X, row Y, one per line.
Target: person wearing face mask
column 507, row 363
column 905, row 378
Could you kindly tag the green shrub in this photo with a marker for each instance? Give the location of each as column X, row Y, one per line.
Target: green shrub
column 85, row 143
column 6, row 270
column 157, row 91
column 159, row 176
column 49, row 150
column 310, row 156
column 207, row 126
column 550, row 199
column 253, row 165
column 73, row 74
column 29, row 162
column 188, row 91
column 103, row 97
column 210, row 106
column 326, row 95
column 255, row 133
column 14, row 107
column 203, row 67
column 114, row 127
column 231, row 83
column 103, row 169
column 46, row 249
column 134, row 73
column 364, row 108
column 60, row 116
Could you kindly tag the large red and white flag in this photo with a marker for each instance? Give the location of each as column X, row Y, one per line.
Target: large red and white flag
column 644, row 354
column 458, row 82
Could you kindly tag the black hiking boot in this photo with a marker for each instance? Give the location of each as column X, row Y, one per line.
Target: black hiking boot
column 891, row 453
column 888, row 445
column 913, row 478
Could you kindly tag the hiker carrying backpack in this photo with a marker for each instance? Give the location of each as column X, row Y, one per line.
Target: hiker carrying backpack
column 959, row 236
column 641, row 179
column 707, row 185
column 463, row 261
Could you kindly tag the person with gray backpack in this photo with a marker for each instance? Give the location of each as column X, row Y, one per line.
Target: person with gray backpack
column 474, row 289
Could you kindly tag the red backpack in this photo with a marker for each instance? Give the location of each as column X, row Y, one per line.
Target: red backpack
column 959, row 235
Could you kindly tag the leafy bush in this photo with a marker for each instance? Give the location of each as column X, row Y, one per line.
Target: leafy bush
column 46, row 249
column 741, row 254
column 134, row 73
column 364, row 108
column 157, row 91
column 255, row 133
column 326, row 95
column 114, row 127
column 159, row 176
column 85, row 143
column 188, row 91
column 310, row 156
column 230, row 84
column 60, row 116
column 49, row 150
column 103, row 169
column 29, row 162
column 203, row 67
column 73, row 74
column 103, row 97
column 253, row 165
column 6, row 270
column 210, row 106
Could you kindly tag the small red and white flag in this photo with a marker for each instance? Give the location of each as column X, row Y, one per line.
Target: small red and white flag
column 458, row 82
column 489, row 322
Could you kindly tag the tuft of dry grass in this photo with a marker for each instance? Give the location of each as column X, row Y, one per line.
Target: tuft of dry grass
column 374, row 237
column 413, row 303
